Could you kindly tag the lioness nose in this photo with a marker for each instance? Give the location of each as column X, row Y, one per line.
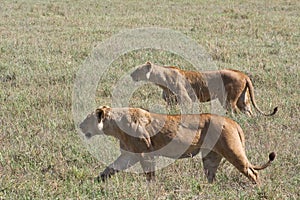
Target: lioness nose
column 88, row 135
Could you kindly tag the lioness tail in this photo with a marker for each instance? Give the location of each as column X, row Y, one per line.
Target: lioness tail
column 251, row 91
column 271, row 158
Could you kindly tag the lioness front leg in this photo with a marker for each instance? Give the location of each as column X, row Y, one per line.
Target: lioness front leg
column 148, row 165
column 169, row 97
column 124, row 161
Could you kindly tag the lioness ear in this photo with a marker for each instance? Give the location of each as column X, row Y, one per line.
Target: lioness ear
column 149, row 69
column 100, row 114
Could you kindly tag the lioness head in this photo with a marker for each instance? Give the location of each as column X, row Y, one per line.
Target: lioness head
column 93, row 124
column 142, row 72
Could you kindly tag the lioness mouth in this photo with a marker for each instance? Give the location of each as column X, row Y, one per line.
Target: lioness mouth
column 88, row 135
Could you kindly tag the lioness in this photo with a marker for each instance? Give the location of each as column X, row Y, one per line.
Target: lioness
column 143, row 135
column 235, row 93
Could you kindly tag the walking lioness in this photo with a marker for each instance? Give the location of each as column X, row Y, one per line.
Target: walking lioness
column 232, row 88
column 143, row 135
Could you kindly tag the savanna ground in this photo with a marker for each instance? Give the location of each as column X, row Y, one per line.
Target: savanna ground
column 44, row 43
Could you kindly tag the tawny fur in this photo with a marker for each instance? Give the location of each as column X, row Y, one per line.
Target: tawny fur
column 144, row 135
column 232, row 88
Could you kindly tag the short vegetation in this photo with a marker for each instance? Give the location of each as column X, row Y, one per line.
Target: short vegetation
column 43, row 44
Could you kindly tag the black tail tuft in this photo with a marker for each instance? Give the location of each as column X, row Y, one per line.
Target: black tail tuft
column 275, row 110
column 272, row 156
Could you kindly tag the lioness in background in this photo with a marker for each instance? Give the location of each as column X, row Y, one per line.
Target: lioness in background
column 232, row 88
column 143, row 135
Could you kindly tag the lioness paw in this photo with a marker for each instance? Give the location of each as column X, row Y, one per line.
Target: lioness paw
column 102, row 177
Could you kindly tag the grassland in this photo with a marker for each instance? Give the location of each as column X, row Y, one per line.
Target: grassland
column 44, row 43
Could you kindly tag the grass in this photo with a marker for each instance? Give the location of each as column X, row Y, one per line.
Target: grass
column 44, row 43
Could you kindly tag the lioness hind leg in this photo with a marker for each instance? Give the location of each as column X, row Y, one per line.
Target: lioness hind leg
column 240, row 161
column 230, row 105
column 244, row 103
column 252, row 174
column 211, row 162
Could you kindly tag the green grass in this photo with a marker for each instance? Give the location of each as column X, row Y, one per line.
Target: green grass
column 44, row 43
